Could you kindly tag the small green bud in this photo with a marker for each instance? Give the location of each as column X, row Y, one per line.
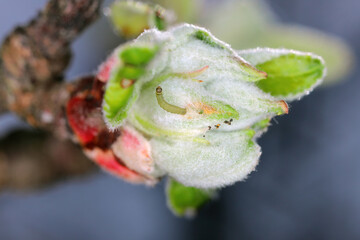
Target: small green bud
column 131, row 18
column 185, row 201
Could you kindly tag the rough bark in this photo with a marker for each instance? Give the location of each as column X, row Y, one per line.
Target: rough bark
column 34, row 159
column 33, row 60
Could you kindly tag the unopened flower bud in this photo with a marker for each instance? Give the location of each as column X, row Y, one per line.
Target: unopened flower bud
column 196, row 106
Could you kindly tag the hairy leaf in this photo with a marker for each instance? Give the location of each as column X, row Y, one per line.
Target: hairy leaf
column 228, row 158
column 123, row 85
column 291, row 74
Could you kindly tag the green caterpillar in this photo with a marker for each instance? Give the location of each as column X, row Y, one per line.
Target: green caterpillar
column 167, row 106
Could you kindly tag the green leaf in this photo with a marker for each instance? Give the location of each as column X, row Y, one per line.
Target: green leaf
column 206, row 38
column 339, row 57
column 123, row 86
column 185, row 201
column 131, row 72
column 117, row 100
column 137, row 55
column 291, row 74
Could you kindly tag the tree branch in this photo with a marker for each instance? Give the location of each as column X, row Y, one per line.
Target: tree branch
column 34, row 58
column 32, row 63
column 42, row 160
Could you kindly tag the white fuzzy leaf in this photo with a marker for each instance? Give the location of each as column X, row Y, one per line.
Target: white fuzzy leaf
column 228, row 158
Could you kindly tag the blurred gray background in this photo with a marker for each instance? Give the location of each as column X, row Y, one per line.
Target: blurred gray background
column 306, row 186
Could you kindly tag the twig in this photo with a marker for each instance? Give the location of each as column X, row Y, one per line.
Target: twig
column 32, row 63
column 34, row 58
column 41, row 160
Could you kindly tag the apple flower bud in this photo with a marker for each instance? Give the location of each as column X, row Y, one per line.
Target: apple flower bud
column 196, row 105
